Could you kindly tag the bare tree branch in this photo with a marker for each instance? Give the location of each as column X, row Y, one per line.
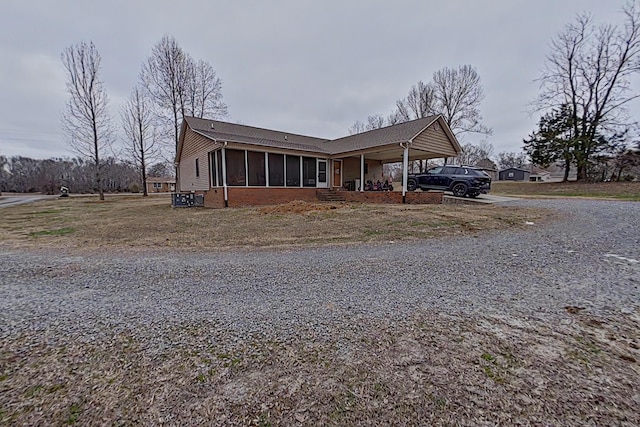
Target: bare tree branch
column 458, row 94
column 589, row 68
column 86, row 121
column 137, row 122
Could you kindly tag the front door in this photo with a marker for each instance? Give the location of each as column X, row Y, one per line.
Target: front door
column 337, row 173
column 322, row 181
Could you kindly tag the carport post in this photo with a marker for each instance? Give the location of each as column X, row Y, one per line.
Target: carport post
column 405, row 170
column 361, row 172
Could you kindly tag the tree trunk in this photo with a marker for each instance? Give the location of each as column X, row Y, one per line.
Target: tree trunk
column 567, row 169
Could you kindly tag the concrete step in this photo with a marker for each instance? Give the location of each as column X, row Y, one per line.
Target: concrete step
column 329, row 195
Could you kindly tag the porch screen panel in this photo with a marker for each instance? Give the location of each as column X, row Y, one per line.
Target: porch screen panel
column 293, row 171
column 257, row 170
column 276, row 170
column 308, row 171
column 219, row 166
column 236, row 173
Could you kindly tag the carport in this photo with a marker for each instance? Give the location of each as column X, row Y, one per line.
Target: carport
column 420, row 139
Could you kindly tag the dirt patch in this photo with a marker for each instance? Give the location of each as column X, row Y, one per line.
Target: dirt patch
column 300, row 207
column 431, row 369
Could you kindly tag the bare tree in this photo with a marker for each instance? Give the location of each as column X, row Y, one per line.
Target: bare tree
column 164, row 77
column 86, row 121
column 458, row 94
column 137, row 122
column 511, row 160
column 419, row 103
column 357, row 127
column 180, row 86
column 589, row 69
column 375, row 121
column 472, row 154
column 203, row 95
column 160, row 170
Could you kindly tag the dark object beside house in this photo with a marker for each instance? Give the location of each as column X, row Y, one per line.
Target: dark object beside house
column 187, row 200
column 460, row 180
column 182, row 200
column 513, row 174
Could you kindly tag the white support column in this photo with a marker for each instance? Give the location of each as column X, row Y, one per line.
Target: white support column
column 224, row 177
column 361, row 172
column 266, row 169
column 405, row 170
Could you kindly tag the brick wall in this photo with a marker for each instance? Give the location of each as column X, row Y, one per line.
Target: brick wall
column 243, row 196
column 394, row 197
column 391, row 197
column 268, row 196
column 424, row 197
column 214, row 198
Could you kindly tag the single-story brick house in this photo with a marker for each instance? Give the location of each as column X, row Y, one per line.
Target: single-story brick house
column 237, row 165
column 513, row 174
column 160, row 184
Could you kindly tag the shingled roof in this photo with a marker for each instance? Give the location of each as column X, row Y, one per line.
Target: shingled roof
column 232, row 132
column 383, row 137
column 394, row 134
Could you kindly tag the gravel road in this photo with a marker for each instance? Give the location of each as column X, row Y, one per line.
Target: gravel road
column 589, row 258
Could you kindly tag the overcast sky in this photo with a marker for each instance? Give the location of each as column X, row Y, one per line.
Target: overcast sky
column 301, row 66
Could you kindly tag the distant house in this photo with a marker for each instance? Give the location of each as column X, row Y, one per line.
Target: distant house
column 513, row 174
column 491, row 172
column 229, row 164
column 160, row 185
column 540, row 176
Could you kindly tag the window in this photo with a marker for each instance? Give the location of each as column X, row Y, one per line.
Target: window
column 510, row 174
column 309, row 171
column 449, row 170
column 293, row 171
column 197, row 168
column 276, row 170
column 322, row 171
column 256, row 168
column 236, row 171
column 157, row 185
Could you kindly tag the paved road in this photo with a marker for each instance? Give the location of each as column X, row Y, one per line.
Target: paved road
column 8, row 201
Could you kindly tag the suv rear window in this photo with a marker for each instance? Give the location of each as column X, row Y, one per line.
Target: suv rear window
column 449, row 170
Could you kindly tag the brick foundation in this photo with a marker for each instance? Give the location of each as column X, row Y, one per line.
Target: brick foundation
column 394, row 197
column 214, row 198
column 243, row 196
column 424, row 197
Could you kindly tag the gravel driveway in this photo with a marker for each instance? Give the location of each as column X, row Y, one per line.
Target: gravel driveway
column 589, row 258
column 529, row 327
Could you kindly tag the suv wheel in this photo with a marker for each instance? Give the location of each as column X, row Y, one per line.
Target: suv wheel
column 459, row 189
column 411, row 185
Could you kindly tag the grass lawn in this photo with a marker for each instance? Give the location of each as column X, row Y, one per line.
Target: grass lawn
column 137, row 222
column 608, row 190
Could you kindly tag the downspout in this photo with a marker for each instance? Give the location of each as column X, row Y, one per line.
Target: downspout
column 405, row 170
column 224, row 175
